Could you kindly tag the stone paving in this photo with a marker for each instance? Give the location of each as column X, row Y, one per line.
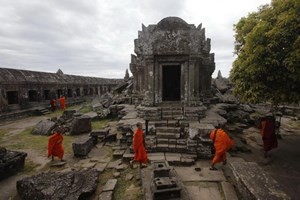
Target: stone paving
column 198, row 182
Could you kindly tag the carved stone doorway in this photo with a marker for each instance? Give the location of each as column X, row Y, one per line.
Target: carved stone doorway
column 171, row 82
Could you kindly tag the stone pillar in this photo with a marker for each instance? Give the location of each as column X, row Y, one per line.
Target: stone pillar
column 157, row 82
column 149, row 82
column 191, row 80
column 185, row 82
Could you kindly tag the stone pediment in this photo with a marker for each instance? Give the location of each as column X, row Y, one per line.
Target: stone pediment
column 172, row 23
column 172, row 36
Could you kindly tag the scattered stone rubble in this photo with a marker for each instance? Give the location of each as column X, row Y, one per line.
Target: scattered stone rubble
column 175, row 135
column 11, row 162
column 59, row 185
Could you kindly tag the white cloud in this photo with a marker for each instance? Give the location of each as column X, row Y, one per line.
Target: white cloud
column 96, row 37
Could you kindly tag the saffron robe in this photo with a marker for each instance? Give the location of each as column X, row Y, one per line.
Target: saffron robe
column 55, row 147
column 62, row 102
column 267, row 130
column 53, row 105
column 222, row 144
column 139, row 147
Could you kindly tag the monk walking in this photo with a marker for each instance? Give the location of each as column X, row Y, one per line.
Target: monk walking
column 53, row 104
column 62, row 103
column 222, row 144
column 140, row 154
column 267, row 130
column 55, row 147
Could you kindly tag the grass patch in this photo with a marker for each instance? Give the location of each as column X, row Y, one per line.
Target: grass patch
column 29, row 166
column 86, row 109
column 26, row 140
column 3, row 132
column 121, row 190
column 123, row 184
column 99, row 124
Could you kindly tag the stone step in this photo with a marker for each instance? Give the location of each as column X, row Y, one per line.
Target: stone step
column 172, row 112
column 254, row 185
column 171, row 108
column 169, row 123
column 166, row 141
column 167, row 135
column 168, row 129
column 171, row 117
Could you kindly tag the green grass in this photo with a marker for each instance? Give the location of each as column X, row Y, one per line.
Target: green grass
column 99, row 124
column 3, row 132
column 86, row 109
column 123, row 185
column 25, row 140
column 29, row 166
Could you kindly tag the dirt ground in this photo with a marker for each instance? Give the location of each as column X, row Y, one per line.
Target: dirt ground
column 283, row 164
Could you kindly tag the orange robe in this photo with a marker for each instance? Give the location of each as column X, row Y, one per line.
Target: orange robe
column 55, row 147
column 222, row 144
column 139, row 147
column 62, row 102
column 267, row 130
column 53, row 105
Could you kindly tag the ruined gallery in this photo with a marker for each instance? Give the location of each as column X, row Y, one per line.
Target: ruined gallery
column 20, row 89
column 148, row 136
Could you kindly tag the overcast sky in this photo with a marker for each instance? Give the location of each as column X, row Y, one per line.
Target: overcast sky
column 96, row 37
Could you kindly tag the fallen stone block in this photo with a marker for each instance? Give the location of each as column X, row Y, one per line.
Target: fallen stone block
column 44, row 127
column 111, row 137
column 83, row 146
column 56, row 185
column 254, row 185
column 106, row 195
column 81, row 125
column 10, row 162
column 110, row 185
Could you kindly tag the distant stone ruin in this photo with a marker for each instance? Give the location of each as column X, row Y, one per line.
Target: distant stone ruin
column 21, row 89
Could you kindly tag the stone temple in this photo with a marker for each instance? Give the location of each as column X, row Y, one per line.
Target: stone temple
column 173, row 63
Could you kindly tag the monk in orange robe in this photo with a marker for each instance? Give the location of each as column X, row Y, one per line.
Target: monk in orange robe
column 268, row 130
column 140, row 154
column 53, row 105
column 55, row 147
column 62, row 102
column 222, row 144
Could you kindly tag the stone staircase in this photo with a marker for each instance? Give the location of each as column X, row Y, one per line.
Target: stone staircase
column 42, row 111
column 171, row 113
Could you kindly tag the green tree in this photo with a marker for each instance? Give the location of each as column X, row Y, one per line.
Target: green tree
column 267, row 45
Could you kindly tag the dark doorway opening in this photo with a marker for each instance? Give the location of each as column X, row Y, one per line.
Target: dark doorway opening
column 12, row 97
column 32, row 95
column 47, row 94
column 78, row 92
column 70, row 92
column 59, row 93
column 171, row 82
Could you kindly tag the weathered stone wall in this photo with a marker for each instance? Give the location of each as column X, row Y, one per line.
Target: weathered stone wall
column 24, row 89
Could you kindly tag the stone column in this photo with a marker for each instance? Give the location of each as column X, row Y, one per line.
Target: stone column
column 149, row 61
column 185, row 82
column 191, row 92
